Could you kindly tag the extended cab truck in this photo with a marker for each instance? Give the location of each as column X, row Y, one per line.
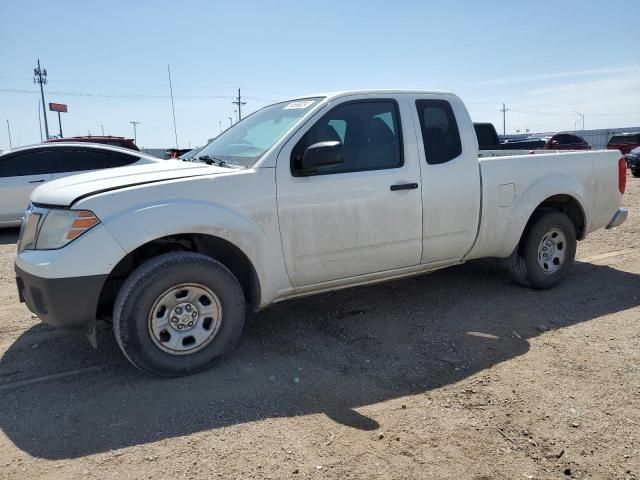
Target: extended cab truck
column 304, row 196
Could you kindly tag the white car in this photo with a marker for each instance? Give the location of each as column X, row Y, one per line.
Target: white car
column 306, row 196
column 24, row 169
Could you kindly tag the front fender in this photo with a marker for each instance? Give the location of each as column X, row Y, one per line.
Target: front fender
column 141, row 224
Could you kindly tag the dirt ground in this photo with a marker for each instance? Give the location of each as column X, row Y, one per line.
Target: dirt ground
column 460, row 374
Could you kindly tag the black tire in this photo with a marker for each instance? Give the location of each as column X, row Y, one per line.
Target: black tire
column 636, row 172
column 140, row 293
column 525, row 266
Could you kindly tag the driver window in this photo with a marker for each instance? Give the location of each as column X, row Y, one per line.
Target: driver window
column 368, row 130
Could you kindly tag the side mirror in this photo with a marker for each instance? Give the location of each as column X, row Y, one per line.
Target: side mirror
column 321, row 154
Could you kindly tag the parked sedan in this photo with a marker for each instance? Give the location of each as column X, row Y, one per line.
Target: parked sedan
column 567, row 141
column 23, row 169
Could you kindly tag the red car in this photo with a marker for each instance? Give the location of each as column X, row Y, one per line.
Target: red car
column 625, row 142
column 567, row 141
column 108, row 140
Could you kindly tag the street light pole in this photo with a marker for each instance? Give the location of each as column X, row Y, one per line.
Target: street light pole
column 135, row 133
column 582, row 116
column 230, row 121
column 102, row 127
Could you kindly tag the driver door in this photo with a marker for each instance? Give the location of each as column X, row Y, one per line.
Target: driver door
column 363, row 215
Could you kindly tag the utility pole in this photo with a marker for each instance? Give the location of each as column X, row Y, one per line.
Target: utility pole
column 239, row 103
column 173, row 109
column 102, row 127
column 9, row 130
column 40, row 76
column 504, row 119
column 39, row 120
column 135, row 133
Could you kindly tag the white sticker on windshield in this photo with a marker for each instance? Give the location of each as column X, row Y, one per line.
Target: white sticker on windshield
column 298, row 105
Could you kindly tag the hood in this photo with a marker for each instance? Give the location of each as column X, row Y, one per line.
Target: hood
column 65, row 191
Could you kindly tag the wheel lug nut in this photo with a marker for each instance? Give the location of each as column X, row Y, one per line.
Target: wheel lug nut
column 188, row 308
column 180, row 327
column 178, row 310
column 190, row 324
column 194, row 314
column 174, row 319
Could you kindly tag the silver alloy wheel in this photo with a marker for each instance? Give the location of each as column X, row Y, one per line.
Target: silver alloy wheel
column 185, row 318
column 551, row 251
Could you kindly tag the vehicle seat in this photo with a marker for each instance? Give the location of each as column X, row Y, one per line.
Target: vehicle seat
column 381, row 148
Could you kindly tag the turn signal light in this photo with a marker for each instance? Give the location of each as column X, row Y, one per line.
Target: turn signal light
column 83, row 222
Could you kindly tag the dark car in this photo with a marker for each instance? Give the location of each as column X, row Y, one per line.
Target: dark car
column 107, row 140
column 625, row 142
column 567, row 141
column 633, row 161
column 528, row 143
column 487, row 136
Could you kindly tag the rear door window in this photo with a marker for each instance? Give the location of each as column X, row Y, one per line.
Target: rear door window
column 36, row 162
column 440, row 133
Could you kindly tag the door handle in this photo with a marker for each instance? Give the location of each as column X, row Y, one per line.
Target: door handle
column 403, row 186
column 36, row 181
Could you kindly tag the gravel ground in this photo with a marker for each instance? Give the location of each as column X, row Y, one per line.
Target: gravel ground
column 460, row 374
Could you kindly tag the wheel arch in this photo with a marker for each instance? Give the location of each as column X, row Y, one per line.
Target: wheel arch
column 566, row 204
column 218, row 248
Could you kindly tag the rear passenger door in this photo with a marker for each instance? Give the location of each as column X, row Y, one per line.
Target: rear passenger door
column 450, row 178
column 20, row 174
column 363, row 215
column 70, row 161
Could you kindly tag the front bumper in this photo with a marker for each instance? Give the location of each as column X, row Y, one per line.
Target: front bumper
column 619, row 218
column 62, row 302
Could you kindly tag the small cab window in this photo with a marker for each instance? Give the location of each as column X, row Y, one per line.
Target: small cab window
column 369, row 131
column 78, row 159
column 439, row 131
column 27, row 163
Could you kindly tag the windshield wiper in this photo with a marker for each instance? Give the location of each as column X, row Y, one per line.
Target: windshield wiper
column 209, row 160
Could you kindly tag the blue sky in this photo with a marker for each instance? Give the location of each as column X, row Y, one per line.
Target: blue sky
column 108, row 60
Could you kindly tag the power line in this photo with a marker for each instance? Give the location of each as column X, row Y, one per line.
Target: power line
column 133, row 96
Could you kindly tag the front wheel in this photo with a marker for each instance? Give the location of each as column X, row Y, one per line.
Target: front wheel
column 546, row 251
column 177, row 313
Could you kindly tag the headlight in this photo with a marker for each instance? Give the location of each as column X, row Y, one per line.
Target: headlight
column 51, row 229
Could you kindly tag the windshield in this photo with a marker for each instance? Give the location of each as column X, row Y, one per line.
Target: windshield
column 244, row 143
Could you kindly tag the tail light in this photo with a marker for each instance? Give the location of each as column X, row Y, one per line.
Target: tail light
column 622, row 175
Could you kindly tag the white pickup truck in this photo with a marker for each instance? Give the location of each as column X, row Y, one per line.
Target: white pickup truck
column 302, row 197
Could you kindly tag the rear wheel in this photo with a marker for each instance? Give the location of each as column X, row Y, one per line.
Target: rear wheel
column 546, row 251
column 177, row 313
